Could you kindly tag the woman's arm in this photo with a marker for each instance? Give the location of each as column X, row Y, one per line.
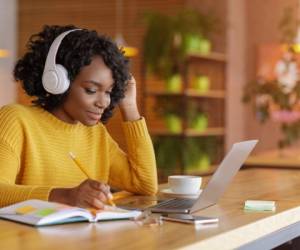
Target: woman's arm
column 136, row 170
column 9, row 191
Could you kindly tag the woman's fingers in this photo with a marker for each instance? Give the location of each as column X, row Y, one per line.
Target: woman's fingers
column 97, row 194
column 94, row 202
column 102, row 187
column 92, row 193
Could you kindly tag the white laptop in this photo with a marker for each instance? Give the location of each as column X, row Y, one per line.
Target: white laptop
column 216, row 186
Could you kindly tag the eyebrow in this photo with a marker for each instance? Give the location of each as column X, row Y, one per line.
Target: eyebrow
column 99, row 84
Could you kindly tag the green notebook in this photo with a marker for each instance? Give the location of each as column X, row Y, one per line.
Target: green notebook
column 42, row 213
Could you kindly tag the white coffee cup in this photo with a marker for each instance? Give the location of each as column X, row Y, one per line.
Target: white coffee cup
column 184, row 184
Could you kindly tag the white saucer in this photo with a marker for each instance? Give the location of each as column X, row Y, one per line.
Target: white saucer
column 169, row 192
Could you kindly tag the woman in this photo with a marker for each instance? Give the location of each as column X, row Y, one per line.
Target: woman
column 35, row 141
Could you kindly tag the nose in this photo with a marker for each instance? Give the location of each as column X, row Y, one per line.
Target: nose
column 103, row 101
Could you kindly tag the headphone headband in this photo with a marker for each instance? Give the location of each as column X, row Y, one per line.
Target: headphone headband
column 51, row 57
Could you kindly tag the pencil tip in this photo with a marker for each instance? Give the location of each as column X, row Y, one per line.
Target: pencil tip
column 72, row 155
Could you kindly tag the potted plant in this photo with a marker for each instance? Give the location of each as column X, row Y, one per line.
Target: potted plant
column 171, row 112
column 193, row 154
column 201, row 83
column 197, row 118
column 168, row 151
column 169, row 39
column 277, row 97
column 200, row 153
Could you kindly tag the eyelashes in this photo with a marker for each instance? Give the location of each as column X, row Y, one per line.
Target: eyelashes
column 90, row 91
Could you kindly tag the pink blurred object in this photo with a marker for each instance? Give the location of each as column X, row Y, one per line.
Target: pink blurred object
column 285, row 116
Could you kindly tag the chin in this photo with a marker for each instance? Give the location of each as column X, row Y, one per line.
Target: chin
column 90, row 123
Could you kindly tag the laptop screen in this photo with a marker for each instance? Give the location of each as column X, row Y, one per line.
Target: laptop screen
column 224, row 174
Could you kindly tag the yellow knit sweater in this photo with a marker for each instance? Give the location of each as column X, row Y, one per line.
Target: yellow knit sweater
column 34, row 147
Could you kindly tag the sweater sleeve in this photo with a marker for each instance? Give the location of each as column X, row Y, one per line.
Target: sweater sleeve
column 9, row 191
column 136, row 170
column 10, row 154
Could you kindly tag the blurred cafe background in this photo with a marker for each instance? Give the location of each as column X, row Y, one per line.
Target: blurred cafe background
column 209, row 72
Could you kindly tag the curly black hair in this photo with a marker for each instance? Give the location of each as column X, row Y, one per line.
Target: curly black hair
column 76, row 51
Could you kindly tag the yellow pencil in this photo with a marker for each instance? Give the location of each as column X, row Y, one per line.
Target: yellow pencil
column 82, row 168
column 121, row 195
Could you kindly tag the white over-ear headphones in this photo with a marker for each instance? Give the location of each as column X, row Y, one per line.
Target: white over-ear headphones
column 55, row 76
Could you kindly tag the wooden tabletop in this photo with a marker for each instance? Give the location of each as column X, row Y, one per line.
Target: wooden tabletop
column 236, row 227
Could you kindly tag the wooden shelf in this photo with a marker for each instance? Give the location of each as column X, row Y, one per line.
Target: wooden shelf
column 214, row 56
column 219, row 131
column 163, row 93
column 208, row 94
column 210, row 102
column 220, row 94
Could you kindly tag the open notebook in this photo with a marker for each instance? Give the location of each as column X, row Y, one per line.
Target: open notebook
column 41, row 213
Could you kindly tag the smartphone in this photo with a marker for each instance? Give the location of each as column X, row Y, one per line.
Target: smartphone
column 191, row 219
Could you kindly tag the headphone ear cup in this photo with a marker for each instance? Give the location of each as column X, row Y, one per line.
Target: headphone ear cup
column 63, row 79
column 50, row 81
column 56, row 81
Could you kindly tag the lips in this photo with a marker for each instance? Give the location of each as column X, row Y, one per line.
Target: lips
column 94, row 115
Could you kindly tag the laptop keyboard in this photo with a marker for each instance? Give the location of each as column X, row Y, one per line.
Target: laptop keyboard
column 176, row 204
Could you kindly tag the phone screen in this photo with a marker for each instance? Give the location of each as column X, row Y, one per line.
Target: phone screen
column 183, row 216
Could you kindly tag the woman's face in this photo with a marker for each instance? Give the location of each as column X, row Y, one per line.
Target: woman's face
column 89, row 95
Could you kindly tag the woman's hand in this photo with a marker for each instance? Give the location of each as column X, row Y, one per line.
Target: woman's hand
column 89, row 193
column 128, row 104
column 130, row 93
